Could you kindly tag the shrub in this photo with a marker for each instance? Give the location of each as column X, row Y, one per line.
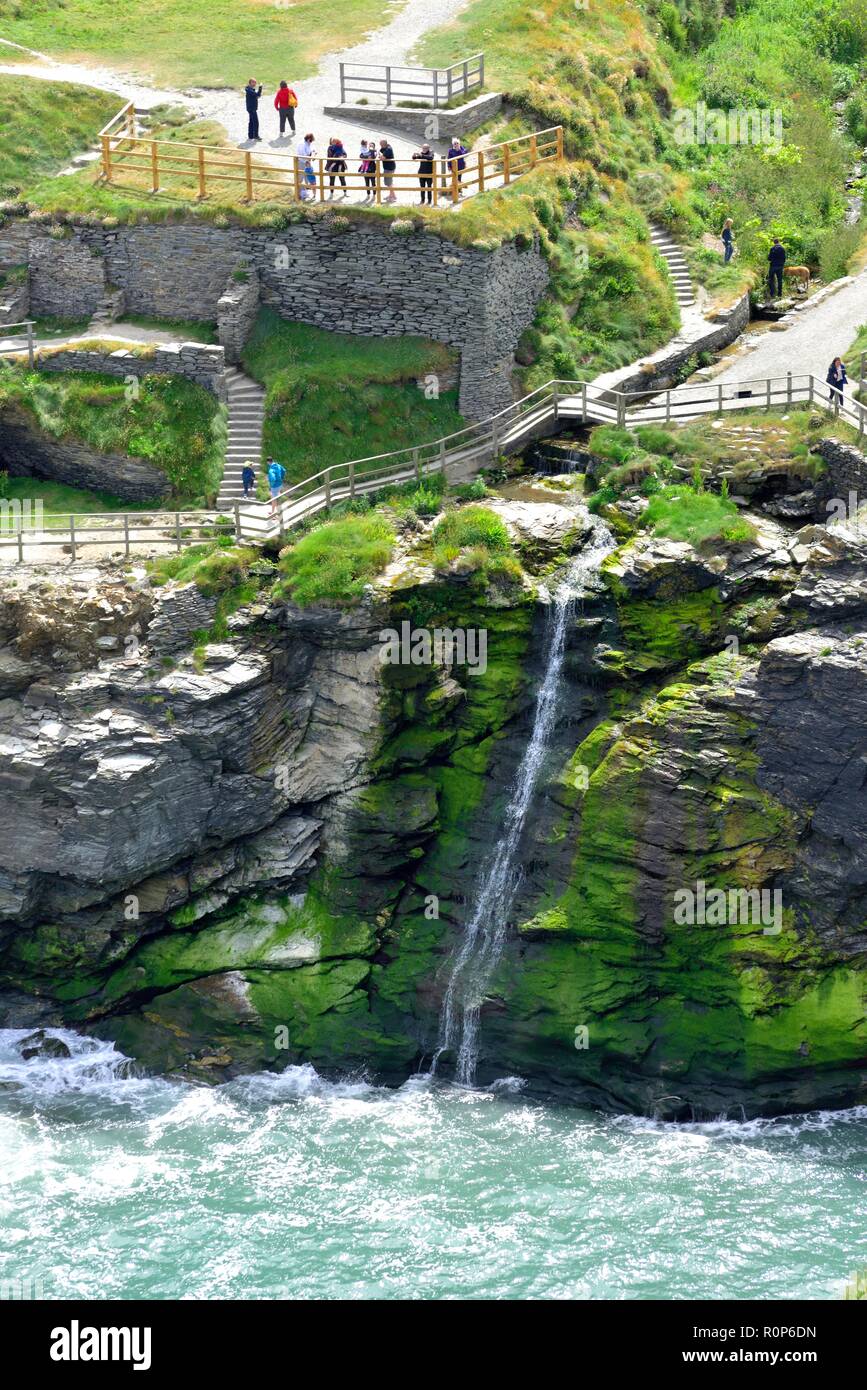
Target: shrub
column 682, row 514
column 332, row 564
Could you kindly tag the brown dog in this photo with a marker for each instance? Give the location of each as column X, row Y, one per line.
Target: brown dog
column 798, row 272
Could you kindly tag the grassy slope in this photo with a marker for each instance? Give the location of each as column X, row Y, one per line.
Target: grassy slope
column 43, row 124
column 199, row 42
column 332, row 397
column 173, row 423
column 59, row 498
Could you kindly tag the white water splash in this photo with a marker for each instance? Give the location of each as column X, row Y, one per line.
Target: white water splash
column 476, row 959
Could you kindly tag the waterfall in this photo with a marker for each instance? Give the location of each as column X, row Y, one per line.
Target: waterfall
column 475, row 961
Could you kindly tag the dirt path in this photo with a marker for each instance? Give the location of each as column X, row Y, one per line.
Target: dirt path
column 392, row 44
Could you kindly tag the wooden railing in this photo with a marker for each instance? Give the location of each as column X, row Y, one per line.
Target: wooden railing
column 456, row 454
column 28, row 325
column 428, row 86
column 164, row 161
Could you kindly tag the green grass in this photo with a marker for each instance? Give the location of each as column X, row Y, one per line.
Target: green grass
column 193, row 42
column 683, row 514
column 174, row 424
column 474, row 540
column 332, row 397
column 188, row 329
column 44, row 124
column 332, row 564
column 57, row 497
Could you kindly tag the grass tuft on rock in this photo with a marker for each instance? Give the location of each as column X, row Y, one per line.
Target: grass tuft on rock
column 332, row 564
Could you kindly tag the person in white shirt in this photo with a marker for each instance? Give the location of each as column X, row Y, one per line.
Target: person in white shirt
column 306, row 156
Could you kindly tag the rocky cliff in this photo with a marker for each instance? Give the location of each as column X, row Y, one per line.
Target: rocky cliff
column 239, row 853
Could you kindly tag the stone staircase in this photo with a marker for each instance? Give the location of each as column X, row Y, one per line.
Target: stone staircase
column 109, row 309
column 246, row 405
column 80, row 161
column 672, row 254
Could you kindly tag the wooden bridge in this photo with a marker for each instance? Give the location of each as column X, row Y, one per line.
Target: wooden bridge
column 459, row 456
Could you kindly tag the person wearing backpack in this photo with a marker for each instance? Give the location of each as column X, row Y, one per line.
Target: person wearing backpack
column 276, row 474
column 284, row 103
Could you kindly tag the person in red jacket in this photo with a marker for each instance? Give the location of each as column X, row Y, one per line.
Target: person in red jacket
column 284, row 103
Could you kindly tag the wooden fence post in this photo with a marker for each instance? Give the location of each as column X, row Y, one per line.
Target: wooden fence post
column 20, row 540
column 342, row 83
column 297, row 178
column 72, row 536
column 559, row 142
column 248, row 174
column 481, row 163
column 237, row 521
column 321, row 181
column 30, row 352
column 584, row 400
column 788, row 388
column 155, row 168
column 377, row 173
column 328, row 488
column 456, row 186
column 387, row 85
column 106, row 158
column 126, row 534
column 534, row 152
column 668, row 407
column 481, row 69
column 768, row 394
column 201, row 171
column 719, row 401
column 178, row 530
column 417, row 464
column 556, row 401
column 352, row 480
column 506, row 164
column 466, row 78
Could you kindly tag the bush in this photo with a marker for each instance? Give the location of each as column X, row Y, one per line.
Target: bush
column 332, row 564
column 472, row 526
column 682, row 514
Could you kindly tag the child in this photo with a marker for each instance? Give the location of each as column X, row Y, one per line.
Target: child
column 248, row 478
column 306, row 156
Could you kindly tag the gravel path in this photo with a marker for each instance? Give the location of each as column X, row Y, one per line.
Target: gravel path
column 810, row 343
column 392, row 44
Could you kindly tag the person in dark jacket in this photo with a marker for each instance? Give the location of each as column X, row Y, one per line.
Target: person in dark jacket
column 836, row 379
column 248, row 478
column 425, row 157
column 252, row 93
column 457, row 161
column 335, row 164
column 388, row 164
column 284, row 104
column 728, row 240
column 776, row 261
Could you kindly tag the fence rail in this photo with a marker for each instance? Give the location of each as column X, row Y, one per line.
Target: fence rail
column 28, row 325
column 162, row 162
column 428, row 86
column 533, row 416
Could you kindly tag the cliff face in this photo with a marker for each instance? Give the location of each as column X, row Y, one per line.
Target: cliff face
column 263, row 850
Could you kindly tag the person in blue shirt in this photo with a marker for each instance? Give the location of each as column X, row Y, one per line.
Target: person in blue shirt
column 457, row 159
column 252, row 93
column 276, row 474
column 248, row 478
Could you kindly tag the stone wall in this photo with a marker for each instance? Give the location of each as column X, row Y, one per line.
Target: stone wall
column 351, row 277
column 25, row 451
column 459, row 121
column 846, row 471
column 14, row 303
column 203, row 363
column 67, row 278
column 663, row 368
column 236, row 313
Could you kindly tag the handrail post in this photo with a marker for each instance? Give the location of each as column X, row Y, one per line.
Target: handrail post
column 810, row 393
column 668, row 407
column 178, row 530
column 248, row 174
column 456, row 187
column 481, row 69
column 377, row 174
column 328, row 488
column 342, row 83
column 555, row 401
column 584, row 400
column 507, row 173
column 560, row 142
column 320, row 178
column 788, row 388
column 297, row 177
column 237, row 520
column 495, row 438
column 352, row 480
column 534, row 152
column 442, row 456
column 30, row 353
column 72, row 535
column 466, row 78
column 719, row 402
column 106, row 158
column 860, row 421
column 387, row 85
column 416, row 462
column 202, row 171
column 126, row 534
column 20, row 539
column 481, row 167
column 155, row 168
column 621, row 409
column 768, row 394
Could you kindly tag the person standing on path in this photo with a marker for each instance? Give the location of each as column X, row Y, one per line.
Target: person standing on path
column 248, row 478
column 728, row 240
column 456, row 158
column 367, row 167
column 284, row 104
column 306, row 155
column 252, row 93
column 776, row 261
column 836, row 380
column 389, row 164
column 335, row 164
column 276, row 474
column 425, row 157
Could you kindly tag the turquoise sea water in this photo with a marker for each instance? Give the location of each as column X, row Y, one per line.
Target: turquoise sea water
column 288, row 1186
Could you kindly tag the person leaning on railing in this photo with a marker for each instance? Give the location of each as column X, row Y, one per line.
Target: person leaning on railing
column 388, row 164
column 456, row 159
column 426, row 158
column 335, row 164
